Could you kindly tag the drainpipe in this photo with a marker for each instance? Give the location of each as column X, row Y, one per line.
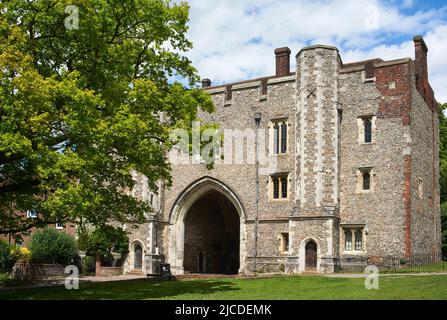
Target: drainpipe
column 258, row 122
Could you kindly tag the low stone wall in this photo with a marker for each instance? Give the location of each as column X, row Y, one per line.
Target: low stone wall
column 27, row 271
column 110, row 271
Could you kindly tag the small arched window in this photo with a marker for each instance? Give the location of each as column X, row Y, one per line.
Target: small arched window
column 366, row 180
column 367, row 123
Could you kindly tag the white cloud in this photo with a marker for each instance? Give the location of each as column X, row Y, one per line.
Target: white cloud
column 234, row 39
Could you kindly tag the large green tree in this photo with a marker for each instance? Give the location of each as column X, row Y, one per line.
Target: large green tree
column 83, row 87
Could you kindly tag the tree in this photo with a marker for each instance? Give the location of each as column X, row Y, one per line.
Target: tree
column 8, row 256
column 51, row 246
column 84, row 103
column 104, row 241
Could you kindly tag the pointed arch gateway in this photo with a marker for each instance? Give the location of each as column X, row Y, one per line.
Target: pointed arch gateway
column 207, row 231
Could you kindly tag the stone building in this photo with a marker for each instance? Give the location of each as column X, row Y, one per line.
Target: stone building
column 355, row 175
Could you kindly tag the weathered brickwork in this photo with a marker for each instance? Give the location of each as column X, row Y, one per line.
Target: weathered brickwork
column 330, row 212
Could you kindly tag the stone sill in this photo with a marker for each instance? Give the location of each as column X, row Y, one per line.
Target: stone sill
column 367, row 144
column 354, row 253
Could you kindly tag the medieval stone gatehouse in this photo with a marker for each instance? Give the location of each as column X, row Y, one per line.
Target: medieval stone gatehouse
column 355, row 174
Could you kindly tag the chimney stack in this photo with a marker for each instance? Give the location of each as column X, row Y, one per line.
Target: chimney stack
column 282, row 62
column 206, row 83
column 421, row 51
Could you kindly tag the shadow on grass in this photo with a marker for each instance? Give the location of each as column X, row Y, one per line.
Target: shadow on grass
column 124, row 290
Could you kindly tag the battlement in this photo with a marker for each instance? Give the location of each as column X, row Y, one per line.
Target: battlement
column 368, row 67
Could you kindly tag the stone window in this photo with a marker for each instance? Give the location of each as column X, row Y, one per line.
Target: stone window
column 421, row 188
column 358, row 240
column 59, row 226
column 279, row 141
column 31, row 214
column 367, row 123
column 279, row 189
column 284, row 247
column 348, row 240
column 353, row 240
column 366, row 126
column 365, row 180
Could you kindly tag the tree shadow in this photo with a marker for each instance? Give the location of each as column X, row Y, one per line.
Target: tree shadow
column 140, row 289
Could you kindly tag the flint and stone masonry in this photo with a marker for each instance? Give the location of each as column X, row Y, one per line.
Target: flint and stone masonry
column 357, row 178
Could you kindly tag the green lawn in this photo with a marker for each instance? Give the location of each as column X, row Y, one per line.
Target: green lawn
column 293, row 288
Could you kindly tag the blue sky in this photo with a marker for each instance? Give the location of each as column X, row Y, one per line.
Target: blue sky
column 235, row 39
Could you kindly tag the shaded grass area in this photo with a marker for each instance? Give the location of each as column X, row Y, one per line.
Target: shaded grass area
column 277, row 288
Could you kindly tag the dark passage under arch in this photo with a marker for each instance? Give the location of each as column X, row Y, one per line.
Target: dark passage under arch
column 212, row 229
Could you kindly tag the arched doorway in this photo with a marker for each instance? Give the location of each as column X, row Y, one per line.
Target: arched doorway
column 212, row 236
column 311, row 255
column 138, row 257
column 207, row 204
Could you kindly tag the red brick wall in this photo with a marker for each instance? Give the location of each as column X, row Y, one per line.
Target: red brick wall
column 394, row 84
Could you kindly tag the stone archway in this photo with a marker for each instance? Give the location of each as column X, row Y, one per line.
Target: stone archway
column 193, row 198
column 309, row 255
column 137, row 256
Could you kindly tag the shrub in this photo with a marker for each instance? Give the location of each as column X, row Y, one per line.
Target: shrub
column 105, row 241
column 88, row 265
column 51, row 246
column 7, row 281
column 8, row 256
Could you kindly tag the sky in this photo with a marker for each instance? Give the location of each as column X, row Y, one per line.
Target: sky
column 235, row 39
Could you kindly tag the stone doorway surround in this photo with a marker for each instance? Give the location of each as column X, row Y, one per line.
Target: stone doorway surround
column 302, row 255
column 179, row 211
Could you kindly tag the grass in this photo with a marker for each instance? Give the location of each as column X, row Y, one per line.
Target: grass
column 277, row 288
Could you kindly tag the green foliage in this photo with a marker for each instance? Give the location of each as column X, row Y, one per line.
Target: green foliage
column 88, row 265
column 51, row 246
column 8, row 256
column 81, row 108
column 4, row 279
column 105, row 240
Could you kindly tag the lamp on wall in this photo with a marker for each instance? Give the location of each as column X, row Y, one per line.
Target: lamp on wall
column 258, row 118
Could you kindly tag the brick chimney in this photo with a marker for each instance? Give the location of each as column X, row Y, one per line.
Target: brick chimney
column 282, row 62
column 206, row 83
column 421, row 51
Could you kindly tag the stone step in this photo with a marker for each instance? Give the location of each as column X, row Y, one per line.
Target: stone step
column 135, row 273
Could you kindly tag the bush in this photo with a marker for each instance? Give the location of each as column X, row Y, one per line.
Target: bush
column 104, row 241
column 8, row 256
column 51, row 246
column 88, row 265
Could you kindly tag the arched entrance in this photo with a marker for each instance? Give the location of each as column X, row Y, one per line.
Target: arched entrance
column 212, row 236
column 311, row 255
column 138, row 257
column 207, row 230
